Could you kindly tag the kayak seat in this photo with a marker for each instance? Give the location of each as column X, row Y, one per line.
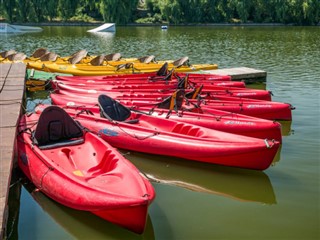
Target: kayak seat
column 39, row 52
column 17, row 57
column 195, row 93
column 147, row 59
column 164, row 78
column 56, row 128
column 78, row 56
column 113, row 57
column 112, row 110
column 50, row 56
column 174, row 101
column 5, row 54
column 98, row 60
column 163, row 70
column 184, row 61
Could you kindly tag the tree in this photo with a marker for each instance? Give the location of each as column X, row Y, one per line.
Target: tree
column 242, row 8
column 52, row 9
column 258, row 11
column 23, row 8
column 308, row 12
column 191, row 10
column 314, row 13
column 300, row 12
column 171, row 11
column 211, row 11
column 39, row 9
column 90, row 8
column 67, row 8
column 153, row 6
column 118, row 11
column 9, row 8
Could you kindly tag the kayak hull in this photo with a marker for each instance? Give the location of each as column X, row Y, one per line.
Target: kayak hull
column 62, row 175
column 89, row 70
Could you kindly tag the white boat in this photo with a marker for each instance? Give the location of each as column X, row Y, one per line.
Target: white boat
column 9, row 28
column 107, row 27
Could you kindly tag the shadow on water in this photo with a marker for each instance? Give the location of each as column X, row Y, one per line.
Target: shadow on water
column 286, row 128
column 79, row 224
column 14, row 206
column 277, row 157
column 236, row 183
column 105, row 36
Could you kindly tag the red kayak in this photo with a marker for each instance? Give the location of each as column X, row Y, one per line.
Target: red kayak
column 259, row 109
column 81, row 171
column 208, row 91
column 149, row 77
column 137, row 95
column 173, row 83
column 217, row 120
column 193, row 79
column 125, row 129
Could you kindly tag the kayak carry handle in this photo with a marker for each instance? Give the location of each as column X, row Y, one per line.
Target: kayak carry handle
column 266, row 141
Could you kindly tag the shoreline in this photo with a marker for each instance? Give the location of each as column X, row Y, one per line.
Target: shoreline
column 155, row 24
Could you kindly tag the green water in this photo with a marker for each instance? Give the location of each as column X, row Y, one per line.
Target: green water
column 195, row 200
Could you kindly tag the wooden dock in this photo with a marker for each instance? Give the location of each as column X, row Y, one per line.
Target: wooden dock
column 12, row 85
column 248, row 75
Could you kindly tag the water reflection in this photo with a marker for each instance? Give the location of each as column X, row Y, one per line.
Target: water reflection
column 106, row 36
column 105, row 41
column 79, row 224
column 13, row 206
column 239, row 184
column 8, row 35
column 286, row 128
column 34, row 98
column 277, row 157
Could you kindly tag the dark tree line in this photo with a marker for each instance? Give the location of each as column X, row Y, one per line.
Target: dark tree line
column 300, row 12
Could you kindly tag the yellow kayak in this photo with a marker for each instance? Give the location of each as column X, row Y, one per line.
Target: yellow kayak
column 80, row 63
column 83, row 69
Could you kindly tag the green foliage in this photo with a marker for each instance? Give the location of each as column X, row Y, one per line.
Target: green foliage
column 300, row 12
column 38, row 9
column 89, row 8
column 154, row 19
column 118, row 11
column 171, row 11
column 153, row 6
column 23, row 7
column 9, row 9
column 67, row 8
column 51, row 9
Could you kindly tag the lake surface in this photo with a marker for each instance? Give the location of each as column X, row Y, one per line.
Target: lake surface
column 195, row 200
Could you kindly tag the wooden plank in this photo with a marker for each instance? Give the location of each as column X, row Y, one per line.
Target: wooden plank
column 12, row 85
column 249, row 75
